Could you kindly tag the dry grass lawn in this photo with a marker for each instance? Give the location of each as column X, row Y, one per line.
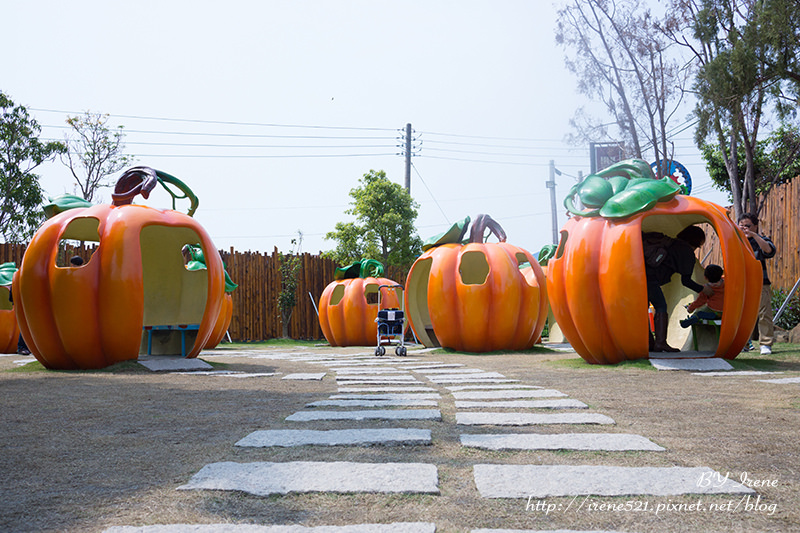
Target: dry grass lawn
column 83, row 451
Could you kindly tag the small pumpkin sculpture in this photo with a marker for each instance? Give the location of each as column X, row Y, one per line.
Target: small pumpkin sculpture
column 92, row 316
column 474, row 297
column 195, row 260
column 596, row 281
column 9, row 330
column 348, row 306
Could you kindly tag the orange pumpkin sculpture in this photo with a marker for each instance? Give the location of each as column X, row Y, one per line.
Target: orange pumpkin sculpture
column 92, row 316
column 596, row 281
column 9, row 330
column 474, row 297
column 348, row 306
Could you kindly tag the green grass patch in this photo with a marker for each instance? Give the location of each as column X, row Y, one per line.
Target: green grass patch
column 125, row 367
column 534, row 350
column 578, row 363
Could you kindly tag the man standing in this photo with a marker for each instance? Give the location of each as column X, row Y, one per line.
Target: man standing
column 763, row 249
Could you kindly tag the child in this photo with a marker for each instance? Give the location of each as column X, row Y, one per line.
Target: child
column 710, row 307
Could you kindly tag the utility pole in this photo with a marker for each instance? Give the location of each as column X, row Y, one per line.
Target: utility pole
column 408, row 158
column 551, row 184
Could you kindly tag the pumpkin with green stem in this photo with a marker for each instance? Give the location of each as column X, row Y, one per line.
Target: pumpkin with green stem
column 348, row 306
column 92, row 316
column 596, row 281
column 474, row 297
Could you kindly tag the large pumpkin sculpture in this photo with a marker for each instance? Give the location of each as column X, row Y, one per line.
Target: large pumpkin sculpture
column 473, row 297
column 92, row 316
column 348, row 306
column 9, row 330
column 596, row 281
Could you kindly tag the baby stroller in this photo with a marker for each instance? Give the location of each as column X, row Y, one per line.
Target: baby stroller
column 391, row 325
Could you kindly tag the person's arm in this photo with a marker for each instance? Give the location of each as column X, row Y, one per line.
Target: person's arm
column 765, row 245
column 698, row 302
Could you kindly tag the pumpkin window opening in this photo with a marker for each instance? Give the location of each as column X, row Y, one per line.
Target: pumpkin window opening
column 5, row 300
column 337, row 294
column 473, row 268
column 561, row 243
column 371, row 294
column 78, row 242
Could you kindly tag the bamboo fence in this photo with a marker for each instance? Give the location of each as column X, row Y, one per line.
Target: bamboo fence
column 255, row 310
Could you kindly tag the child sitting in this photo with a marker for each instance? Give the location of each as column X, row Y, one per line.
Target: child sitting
column 707, row 307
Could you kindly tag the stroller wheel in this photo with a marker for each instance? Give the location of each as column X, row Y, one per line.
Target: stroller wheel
column 380, row 350
column 401, row 351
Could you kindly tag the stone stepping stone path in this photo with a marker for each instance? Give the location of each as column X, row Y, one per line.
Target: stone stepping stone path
column 336, row 437
column 561, row 441
column 529, row 419
column 397, row 527
column 544, row 481
column 377, row 414
column 393, row 390
column 264, row 479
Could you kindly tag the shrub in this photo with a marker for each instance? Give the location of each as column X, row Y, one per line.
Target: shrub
column 791, row 315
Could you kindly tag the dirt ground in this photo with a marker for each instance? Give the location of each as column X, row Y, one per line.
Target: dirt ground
column 83, row 451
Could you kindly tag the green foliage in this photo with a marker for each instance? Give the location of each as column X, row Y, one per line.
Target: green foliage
column 20, row 153
column 94, row 152
column 776, row 160
column 384, row 226
column 791, row 315
column 289, row 266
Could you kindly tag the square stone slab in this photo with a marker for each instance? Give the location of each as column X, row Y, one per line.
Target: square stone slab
column 315, row 376
column 703, row 365
column 337, row 437
column 529, row 419
column 396, row 527
column 507, row 394
column 521, row 404
column 388, row 396
column 373, row 403
column 263, row 479
column 375, row 414
column 561, row 441
column 781, row 380
column 167, row 363
column 410, row 388
column 542, row 481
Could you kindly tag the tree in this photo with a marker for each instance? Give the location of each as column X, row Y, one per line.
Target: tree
column 94, row 152
column 776, row 160
column 21, row 152
column 740, row 49
column 621, row 61
column 289, row 266
column 384, row 226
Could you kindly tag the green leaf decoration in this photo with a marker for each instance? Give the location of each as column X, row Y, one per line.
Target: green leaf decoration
column 639, row 197
column 197, row 261
column 621, row 190
column 546, row 253
column 364, row 268
column 62, row 203
column 7, row 273
column 454, row 235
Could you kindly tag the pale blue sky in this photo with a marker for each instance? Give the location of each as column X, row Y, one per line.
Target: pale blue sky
column 310, row 95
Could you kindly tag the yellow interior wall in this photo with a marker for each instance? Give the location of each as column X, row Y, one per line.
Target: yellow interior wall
column 172, row 294
column 417, row 293
column 675, row 293
column 5, row 304
column 473, row 268
column 82, row 229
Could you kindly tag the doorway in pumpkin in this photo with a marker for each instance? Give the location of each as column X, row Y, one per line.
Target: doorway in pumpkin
column 174, row 296
column 676, row 294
